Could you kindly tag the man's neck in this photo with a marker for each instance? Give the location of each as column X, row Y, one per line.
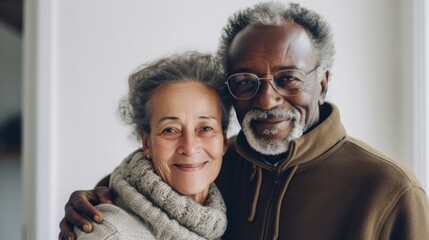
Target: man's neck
column 274, row 159
column 323, row 114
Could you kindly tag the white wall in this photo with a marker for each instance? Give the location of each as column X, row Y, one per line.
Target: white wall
column 424, row 148
column 79, row 54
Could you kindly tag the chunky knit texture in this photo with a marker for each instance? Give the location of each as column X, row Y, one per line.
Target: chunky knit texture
column 117, row 224
column 154, row 207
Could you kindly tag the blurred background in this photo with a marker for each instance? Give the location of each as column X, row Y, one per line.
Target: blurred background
column 11, row 39
column 64, row 67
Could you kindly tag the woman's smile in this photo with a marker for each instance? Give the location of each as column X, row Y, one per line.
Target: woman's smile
column 190, row 167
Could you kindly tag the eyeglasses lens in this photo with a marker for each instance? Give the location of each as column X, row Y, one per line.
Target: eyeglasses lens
column 246, row 85
column 243, row 85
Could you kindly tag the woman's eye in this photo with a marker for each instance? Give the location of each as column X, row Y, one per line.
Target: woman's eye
column 207, row 129
column 169, row 131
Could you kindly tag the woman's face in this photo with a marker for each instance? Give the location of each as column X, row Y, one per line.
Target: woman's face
column 186, row 142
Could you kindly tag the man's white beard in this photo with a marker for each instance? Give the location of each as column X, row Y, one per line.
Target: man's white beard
column 268, row 146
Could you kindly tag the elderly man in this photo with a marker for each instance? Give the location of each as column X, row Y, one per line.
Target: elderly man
column 293, row 172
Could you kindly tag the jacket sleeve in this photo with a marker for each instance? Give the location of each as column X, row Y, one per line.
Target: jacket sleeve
column 409, row 218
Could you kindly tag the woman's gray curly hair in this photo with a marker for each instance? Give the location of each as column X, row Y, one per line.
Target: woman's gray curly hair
column 274, row 14
column 189, row 66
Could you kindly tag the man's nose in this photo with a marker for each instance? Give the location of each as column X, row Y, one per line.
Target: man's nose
column 267, row 97
column 189, row 144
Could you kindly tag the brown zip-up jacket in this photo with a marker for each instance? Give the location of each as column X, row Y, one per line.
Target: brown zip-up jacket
column 330, row 186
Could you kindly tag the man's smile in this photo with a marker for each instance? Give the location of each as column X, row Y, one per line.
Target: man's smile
column 270, row 122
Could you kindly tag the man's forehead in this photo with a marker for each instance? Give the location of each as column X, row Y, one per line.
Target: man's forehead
column 284, row 44
column 252, row 62
column 287, row 26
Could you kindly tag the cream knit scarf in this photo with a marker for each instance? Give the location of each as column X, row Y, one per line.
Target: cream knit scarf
column 166, row 213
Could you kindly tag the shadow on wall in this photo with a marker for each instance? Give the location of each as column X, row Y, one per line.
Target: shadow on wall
column 11, row 14
column 10, row 135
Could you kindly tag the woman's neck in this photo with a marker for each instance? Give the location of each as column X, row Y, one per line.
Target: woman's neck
column 200, row 197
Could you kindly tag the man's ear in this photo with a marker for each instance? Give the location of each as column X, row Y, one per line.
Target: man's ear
column 146, row 146
column 324, row 84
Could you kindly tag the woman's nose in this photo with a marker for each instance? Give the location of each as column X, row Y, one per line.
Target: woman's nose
column 189, row 144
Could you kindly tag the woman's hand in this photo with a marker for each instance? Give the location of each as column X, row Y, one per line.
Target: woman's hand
column 81, row 206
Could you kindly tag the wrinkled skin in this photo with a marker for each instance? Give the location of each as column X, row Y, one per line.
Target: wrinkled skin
column 258, row 50
column 265, row 50
column 186, row 142
column 186, row 145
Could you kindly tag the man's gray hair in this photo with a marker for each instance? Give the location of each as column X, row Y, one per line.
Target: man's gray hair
column 275, row 14
column 185, row 67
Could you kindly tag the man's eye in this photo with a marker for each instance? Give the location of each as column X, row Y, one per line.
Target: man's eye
column 245, row 82
column 287, row 80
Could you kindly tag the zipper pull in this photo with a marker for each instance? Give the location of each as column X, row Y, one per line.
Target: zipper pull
column 276, row 179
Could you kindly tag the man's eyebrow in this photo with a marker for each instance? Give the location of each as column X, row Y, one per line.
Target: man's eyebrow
column 243, row 69
column 255, row 71
column 289, row 67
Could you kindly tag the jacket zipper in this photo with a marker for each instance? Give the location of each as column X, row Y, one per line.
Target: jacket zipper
column 269, row 210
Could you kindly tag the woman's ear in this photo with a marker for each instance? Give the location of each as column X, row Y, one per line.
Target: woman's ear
column 146, row 146
column 324, row 84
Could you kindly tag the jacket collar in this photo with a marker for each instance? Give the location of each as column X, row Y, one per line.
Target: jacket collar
column 305, row 148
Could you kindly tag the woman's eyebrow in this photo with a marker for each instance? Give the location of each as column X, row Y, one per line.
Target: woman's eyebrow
column 174, row 118
column 207, row 117
column 166, row 118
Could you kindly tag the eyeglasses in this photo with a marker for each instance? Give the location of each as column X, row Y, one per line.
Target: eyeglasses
column 288, row 82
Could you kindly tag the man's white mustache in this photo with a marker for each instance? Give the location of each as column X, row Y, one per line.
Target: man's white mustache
column 272, row 113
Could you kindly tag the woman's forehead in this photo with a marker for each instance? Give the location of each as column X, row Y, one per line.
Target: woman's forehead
column 185, row 99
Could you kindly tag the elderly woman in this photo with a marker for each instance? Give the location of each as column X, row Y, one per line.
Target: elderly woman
column 165, row 190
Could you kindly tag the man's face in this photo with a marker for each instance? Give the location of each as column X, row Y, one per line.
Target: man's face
column 269, row 119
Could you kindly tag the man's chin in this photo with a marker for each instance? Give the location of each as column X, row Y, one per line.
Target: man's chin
column 268, row 146
column 270, row 142
column 270, row 135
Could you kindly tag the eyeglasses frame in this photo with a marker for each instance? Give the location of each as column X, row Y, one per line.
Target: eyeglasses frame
column 271, row 82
